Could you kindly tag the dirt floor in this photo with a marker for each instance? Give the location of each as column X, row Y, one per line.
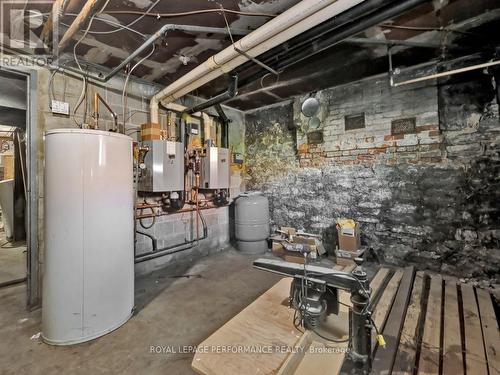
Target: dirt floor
column 176, row 306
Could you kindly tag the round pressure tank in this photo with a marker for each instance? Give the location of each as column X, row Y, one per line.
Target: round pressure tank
column 252, row 222
column 88, row 281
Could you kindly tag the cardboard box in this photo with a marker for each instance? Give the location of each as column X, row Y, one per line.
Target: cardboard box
column 151, row 131
column 345, row 257
column 289, row 256
column 349, row 239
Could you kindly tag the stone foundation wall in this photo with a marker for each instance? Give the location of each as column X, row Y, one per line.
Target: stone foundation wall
column 430, row 197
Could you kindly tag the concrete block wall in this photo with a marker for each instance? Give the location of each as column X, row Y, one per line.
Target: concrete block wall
column 180, row 228
column 429, row 198
column 67, row 88
column 170, row 229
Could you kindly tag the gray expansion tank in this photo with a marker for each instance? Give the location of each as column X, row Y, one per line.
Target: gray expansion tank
column 252, row 222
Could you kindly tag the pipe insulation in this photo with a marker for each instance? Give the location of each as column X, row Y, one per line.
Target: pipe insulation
column 296, row 20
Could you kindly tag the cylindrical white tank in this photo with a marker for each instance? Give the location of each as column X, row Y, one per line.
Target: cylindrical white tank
column 88, row 283
column 251, row 216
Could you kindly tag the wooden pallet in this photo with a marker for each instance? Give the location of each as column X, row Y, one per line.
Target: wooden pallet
column 431, row 324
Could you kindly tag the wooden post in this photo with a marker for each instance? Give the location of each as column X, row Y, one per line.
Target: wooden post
column 88, row 10
column 50, row 31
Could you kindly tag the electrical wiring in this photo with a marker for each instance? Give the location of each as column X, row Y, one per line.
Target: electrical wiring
column 83, row 95
column 189, row 13
column 121, row 27
column 124, row 96
column 109, row 22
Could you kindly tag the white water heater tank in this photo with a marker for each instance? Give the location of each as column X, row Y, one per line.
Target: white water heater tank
column 88, row 281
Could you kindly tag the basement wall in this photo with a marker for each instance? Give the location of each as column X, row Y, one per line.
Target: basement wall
column 170, row 229
column 429, row 197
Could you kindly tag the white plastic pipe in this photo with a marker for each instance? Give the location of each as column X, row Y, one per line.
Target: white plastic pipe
column 301, row 17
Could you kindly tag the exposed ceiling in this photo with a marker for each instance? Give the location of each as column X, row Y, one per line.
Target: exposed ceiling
column 471, row 25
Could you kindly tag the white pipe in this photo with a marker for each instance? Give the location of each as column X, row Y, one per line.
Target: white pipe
column 448, row 73
column 301, row 17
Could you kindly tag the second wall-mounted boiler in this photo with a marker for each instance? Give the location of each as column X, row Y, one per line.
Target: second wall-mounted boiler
column 215, row 168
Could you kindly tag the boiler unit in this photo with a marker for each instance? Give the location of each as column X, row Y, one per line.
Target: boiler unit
column 163, row 167
column 88, row 281
column 215, row 168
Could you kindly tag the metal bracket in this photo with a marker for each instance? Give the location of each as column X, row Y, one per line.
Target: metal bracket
column 243, row 53
column 260, row 63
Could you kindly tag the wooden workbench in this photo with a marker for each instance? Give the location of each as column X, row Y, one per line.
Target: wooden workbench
column 430, row 323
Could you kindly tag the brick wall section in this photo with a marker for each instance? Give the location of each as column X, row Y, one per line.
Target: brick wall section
column 428, row 198
column 374, row 144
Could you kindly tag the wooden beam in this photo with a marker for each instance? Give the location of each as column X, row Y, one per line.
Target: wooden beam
column 88, row 10
column 48, row 31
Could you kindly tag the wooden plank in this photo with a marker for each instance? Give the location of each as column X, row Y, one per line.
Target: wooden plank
column 319, row 361
column 384, row 358
column 268, row 322
column 429, row 353
column 452, row 341
column 384, row 304
column 491, row 333
column 349, row 268
column 407, row 350
column 293, row 361
column 264, row 323
column 475, row 359
column 377, row 282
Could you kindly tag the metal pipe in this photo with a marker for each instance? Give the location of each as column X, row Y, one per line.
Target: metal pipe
column 154, row 241
column 225, row 124
column 231, row 92
column 157, row 35
column 341, row 35
column 13, row 282
column 162, row 253
column 173, row 248
column 349, row 16
column 447, row 73
column 294, row 21
column 98, row 98
column 393, row 42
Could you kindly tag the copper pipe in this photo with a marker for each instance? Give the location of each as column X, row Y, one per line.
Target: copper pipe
column 163, row 213
column 98, row 98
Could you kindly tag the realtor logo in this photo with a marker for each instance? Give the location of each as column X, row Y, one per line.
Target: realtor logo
column 21, row 24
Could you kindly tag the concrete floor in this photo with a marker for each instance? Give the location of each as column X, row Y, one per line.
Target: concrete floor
column 172, row 310
column 12, row 260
